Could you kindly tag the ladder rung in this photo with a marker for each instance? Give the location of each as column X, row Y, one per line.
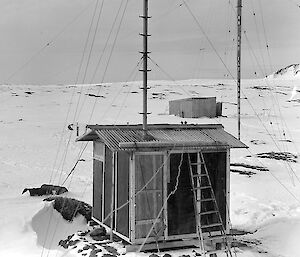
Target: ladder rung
column 203, row 187
column 206, row 200
column 208, row 212
column 212, row 225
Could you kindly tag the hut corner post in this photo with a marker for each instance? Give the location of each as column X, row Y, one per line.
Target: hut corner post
column 112, row 197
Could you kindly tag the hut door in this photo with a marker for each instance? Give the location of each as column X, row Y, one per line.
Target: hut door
column 149, row 200
column 181, row 214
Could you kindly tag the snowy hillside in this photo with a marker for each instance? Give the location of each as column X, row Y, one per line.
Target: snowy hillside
column 290, row 72
column 37, row 147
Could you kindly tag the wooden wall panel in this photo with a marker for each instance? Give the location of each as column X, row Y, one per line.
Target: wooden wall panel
column 122, row 225
column 149, row 201
column 107, row 184
column 97, row 179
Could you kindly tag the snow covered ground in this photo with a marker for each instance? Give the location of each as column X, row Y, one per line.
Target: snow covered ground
column 37, row 147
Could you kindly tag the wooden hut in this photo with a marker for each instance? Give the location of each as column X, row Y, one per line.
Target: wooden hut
column 133, row 178
column 194, row 107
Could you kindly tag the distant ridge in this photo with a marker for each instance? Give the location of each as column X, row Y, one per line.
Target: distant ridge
column 289, row 72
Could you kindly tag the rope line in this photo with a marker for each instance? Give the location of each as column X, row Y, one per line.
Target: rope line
column 47, row 44
column 164, row 203
column 206, row 36
column 73, row 93
column 110, row 55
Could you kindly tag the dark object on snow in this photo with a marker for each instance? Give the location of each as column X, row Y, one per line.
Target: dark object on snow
column 93, row 95
column 70, row 126
column 70, row 208
column 283, row 156
column 46, row 189
column 68, row 242
column 111, row 250
column 98, row 232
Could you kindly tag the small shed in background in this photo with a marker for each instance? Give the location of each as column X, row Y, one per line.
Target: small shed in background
column 133, row 178
column 195, row 107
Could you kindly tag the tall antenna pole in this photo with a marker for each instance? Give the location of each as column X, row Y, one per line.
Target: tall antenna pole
column 145, row 70
column 239, row 46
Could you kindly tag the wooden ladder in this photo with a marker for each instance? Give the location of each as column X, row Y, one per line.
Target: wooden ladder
column 205, row 206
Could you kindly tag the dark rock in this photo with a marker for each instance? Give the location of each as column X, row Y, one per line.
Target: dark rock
column 111, row 249
column 167, row 255
column 68, row 242
column 46, row 189
column 93, row 95
column 94, row 252
column 70, row 208
column 54, row 190
column 100, row 238
column 86, row 247
column 98, row 232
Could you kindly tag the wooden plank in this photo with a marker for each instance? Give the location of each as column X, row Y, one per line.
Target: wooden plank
column 112, row 196
column 148, row 171
column 166, row 179
column 143, row 222
column 103, row 183
column 116, row 189
column 123, row 184
column 163, row 245
column 132, row 197
column 97, row 183
column 227, row 190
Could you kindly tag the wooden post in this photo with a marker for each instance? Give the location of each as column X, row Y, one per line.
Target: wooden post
column 239, row 42
column 112, row 197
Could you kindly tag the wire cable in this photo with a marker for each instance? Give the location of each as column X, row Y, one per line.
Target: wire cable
column 47, row 44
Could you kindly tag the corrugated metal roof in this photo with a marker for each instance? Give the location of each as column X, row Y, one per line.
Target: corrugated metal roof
column 120, row 137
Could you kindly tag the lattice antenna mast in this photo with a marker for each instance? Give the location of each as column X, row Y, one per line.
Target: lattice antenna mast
column 239, row 50
column 145, row 70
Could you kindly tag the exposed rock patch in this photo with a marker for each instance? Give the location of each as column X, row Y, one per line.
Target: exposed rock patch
column 283, row 156
column 70, row 208
column 46, row 189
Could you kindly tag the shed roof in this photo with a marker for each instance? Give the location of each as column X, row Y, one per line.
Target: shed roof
column 128, row 137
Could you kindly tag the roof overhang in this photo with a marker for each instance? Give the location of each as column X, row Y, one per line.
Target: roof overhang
column 167, row 136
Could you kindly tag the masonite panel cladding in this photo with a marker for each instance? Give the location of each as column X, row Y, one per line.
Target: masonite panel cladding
column 107, row 185
column 193, row 107
column 149, row 201
column 97, row 179
column 186, row 109
column 122, row 225
column 204, row 107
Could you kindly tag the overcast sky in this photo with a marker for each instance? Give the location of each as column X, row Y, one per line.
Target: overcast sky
column 177, row 43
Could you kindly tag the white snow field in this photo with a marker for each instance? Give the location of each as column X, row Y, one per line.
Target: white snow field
column 36, row 147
